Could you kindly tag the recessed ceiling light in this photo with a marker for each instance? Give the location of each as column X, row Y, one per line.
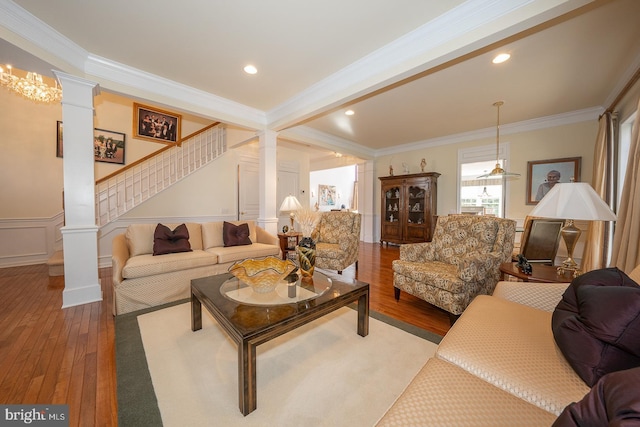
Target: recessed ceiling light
column 499, row 59
column 250, row 69
column 349, row 112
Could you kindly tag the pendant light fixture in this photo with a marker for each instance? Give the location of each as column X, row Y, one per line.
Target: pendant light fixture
column 485, row 194
column 498, row 172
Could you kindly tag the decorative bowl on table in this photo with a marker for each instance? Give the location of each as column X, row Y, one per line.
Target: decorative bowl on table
column 264, row 274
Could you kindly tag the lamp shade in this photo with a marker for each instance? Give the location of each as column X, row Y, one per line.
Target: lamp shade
column 573, row 200
column 290, row 204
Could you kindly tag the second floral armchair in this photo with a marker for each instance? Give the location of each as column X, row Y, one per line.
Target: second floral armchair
column 337, row 238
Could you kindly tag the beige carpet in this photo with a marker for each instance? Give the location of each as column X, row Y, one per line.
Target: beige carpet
column 321, row 374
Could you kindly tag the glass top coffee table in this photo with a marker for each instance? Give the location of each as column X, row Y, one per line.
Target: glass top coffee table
column 251, row 319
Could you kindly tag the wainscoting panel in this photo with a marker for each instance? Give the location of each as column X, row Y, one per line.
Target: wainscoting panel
column 27, row 241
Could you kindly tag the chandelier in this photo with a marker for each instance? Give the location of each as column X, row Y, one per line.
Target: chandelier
column 31, row 87
column 498, row 172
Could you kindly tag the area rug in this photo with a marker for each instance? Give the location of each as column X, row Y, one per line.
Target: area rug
column 321, row 374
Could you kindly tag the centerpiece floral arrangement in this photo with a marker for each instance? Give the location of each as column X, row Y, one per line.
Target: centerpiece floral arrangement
column 308, row 219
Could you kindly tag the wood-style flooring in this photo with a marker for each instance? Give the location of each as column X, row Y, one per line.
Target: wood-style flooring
column 53, row 356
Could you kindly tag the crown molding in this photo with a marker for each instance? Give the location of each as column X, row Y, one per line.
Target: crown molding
column 467, row 27
column 27, row 27
column 505, row 129
column 149, row 85
column 20, row 26
column 305, row 134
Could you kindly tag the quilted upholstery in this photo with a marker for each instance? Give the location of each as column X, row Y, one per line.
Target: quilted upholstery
column 337, row 238
column 461, row 261
column 442, row 394
column 511, row 346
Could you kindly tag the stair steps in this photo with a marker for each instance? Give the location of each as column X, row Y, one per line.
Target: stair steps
column 56, row 264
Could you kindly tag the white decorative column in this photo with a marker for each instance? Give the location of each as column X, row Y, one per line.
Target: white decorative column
column 268, row 219
column 367, row 184
column 80, row 233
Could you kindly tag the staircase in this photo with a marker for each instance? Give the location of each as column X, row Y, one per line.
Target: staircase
column 118, row 193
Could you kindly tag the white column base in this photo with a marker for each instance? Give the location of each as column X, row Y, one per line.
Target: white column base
column 79, row 296
column 81, row 282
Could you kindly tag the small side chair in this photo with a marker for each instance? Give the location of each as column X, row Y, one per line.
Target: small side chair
column 337, row 238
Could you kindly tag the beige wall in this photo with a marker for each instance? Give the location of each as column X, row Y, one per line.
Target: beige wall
column 574, row 140
column 30, row 168
column 33, row 175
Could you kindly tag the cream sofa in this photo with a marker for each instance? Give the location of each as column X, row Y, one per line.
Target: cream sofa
column 142, row 280
column 497, row 366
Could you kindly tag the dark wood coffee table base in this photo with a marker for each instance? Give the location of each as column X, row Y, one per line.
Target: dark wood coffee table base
column 247, row 390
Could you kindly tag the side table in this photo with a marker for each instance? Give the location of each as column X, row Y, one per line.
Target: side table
column 540, row 273
column 288, row 242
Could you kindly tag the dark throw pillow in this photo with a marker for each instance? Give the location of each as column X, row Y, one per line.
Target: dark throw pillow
column 235, row 235
column 613, row 401
column 596, row 325
column 166, row 241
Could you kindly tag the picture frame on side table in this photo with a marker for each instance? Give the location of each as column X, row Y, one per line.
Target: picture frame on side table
column 543, row 174
column 155, row 124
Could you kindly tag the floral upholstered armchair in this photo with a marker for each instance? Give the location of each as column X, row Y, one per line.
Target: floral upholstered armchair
column 462, row 261
column 337, row 238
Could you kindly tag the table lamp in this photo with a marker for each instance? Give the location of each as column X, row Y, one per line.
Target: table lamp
column 572, row 201
column 291, row 205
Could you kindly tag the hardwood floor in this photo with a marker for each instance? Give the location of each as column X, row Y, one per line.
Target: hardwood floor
column 53, row 356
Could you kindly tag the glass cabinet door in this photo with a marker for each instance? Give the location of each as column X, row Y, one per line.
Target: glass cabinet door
column 415, row 208
column 392, row 204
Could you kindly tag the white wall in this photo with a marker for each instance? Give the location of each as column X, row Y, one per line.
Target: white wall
column 342, row 178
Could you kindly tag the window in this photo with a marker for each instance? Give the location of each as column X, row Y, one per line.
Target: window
column 484, row 192
column 480, row 195
column 626, row 129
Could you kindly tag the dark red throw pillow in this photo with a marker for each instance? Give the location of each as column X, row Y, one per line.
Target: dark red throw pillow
column 596, row 325
column 167, row 241
column 613, row 401
column 235, row 235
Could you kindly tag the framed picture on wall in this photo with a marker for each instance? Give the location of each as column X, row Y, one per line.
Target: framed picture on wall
column 108, row 146
column 156, row 125
column 58, row 138
column 542, row 175
column 326, row 195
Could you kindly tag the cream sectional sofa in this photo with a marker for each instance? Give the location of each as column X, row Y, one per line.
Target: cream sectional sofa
column 142, row 280
column 497, row 366
column 500, row 365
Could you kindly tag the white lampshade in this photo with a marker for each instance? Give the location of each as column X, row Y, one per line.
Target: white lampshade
column 290, row 204
column 573, row 200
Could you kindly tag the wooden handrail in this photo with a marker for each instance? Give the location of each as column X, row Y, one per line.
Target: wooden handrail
column 155, row 153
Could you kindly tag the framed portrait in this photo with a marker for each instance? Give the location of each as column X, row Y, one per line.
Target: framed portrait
column 58, row 138
column 542, row 175
column 326, row 195
column 108, row 146
column 156, row 125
